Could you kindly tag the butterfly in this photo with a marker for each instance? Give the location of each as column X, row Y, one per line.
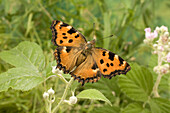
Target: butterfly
column 80, row 58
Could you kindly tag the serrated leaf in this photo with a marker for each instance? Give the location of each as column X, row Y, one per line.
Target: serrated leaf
column 19, row 79
column 106, row 109
column 26, row 54
column 135, row 108
column 93, row 94
column 137, row 84
column 159, row 105
column 106, row 87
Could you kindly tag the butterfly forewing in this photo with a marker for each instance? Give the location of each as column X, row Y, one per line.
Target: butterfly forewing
column 65, row 35
column 109, row 63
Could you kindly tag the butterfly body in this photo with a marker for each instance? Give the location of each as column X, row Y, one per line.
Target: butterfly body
column 84, row 61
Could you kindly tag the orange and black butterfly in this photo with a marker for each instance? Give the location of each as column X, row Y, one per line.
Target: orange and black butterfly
column 81, row 59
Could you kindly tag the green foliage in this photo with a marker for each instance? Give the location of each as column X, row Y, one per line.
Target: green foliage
column 25, row 70
column 93, row 94
column 137, row 84
column 29, row 61
column 159, row 105
column 135, row 108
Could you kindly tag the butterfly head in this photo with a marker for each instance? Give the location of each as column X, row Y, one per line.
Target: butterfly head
column 90, row 45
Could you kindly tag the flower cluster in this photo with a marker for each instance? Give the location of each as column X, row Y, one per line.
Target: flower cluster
column 49, row 95
column 160, row 42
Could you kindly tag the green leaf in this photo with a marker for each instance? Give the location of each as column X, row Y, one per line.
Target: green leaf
column 27, row 55
column 137, row 84
column 135, row 108
column 93, row 94
column 19, row 79
column 106, row 109
column 159, row 105
column 110, row 89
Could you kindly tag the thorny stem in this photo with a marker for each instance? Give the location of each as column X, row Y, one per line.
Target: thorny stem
column 64, row 95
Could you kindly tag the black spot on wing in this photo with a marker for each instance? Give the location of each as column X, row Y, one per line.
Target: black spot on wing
column 101, row 61
column 61, row 41
column 64, row 25
column 104, row 70
column 104, row 53
column 68, row 49
column 77, row 36
column 65, row 37
column 72, row 30
column 70, row 41
column 94, row 66
column 121, row 61
column 111, row 64
column 111, row 56
column 107, row 64
column 64, row 33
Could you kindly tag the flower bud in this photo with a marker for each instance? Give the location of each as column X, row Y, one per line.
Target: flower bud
column 160, row 48
column 157, row 29
column 54, row 70
column 45, row 95
column 166, row 34
column 73, row 100
column 155, row 45
column 50, row 91
column 164, row 28
column 154, row 52
column 147, row 30
column 168, row 57
column 166, row 46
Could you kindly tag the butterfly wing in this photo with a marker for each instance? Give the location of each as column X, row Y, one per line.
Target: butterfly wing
column 65, row 35
column 109, row 63
column 87, row 71
column 67, row 58
column 70, row 44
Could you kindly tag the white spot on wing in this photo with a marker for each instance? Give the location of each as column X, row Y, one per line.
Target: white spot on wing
column 69, row 27
column 64, row 50
column 116, row 56
column 95, row 71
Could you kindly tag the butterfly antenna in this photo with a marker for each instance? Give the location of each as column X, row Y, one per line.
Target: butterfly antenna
column 110, row 36
column 94, row 36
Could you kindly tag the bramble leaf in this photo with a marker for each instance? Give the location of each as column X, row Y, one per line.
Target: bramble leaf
column 27, row 55
column 137, row 84
column 19, row 79
column 93, row 94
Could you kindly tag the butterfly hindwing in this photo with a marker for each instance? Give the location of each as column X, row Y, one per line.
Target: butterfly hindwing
column 109, row 63
column 66, row 57
column 65, row 35
column 87, row 71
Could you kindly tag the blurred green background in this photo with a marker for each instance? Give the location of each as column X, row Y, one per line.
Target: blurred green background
column 30, row 20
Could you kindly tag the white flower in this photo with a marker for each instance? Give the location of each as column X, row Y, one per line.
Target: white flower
column 147, row 30
column 166, row 34
column 54, row 70
column 155, row 45
column 168, row 57
column 73, row 100
column 160, row 48
column 157, row 29
column 45, row 95
column 164, row 28
column 50, row 91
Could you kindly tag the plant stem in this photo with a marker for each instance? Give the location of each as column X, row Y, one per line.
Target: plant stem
column 155, row 88
column 64, row 95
